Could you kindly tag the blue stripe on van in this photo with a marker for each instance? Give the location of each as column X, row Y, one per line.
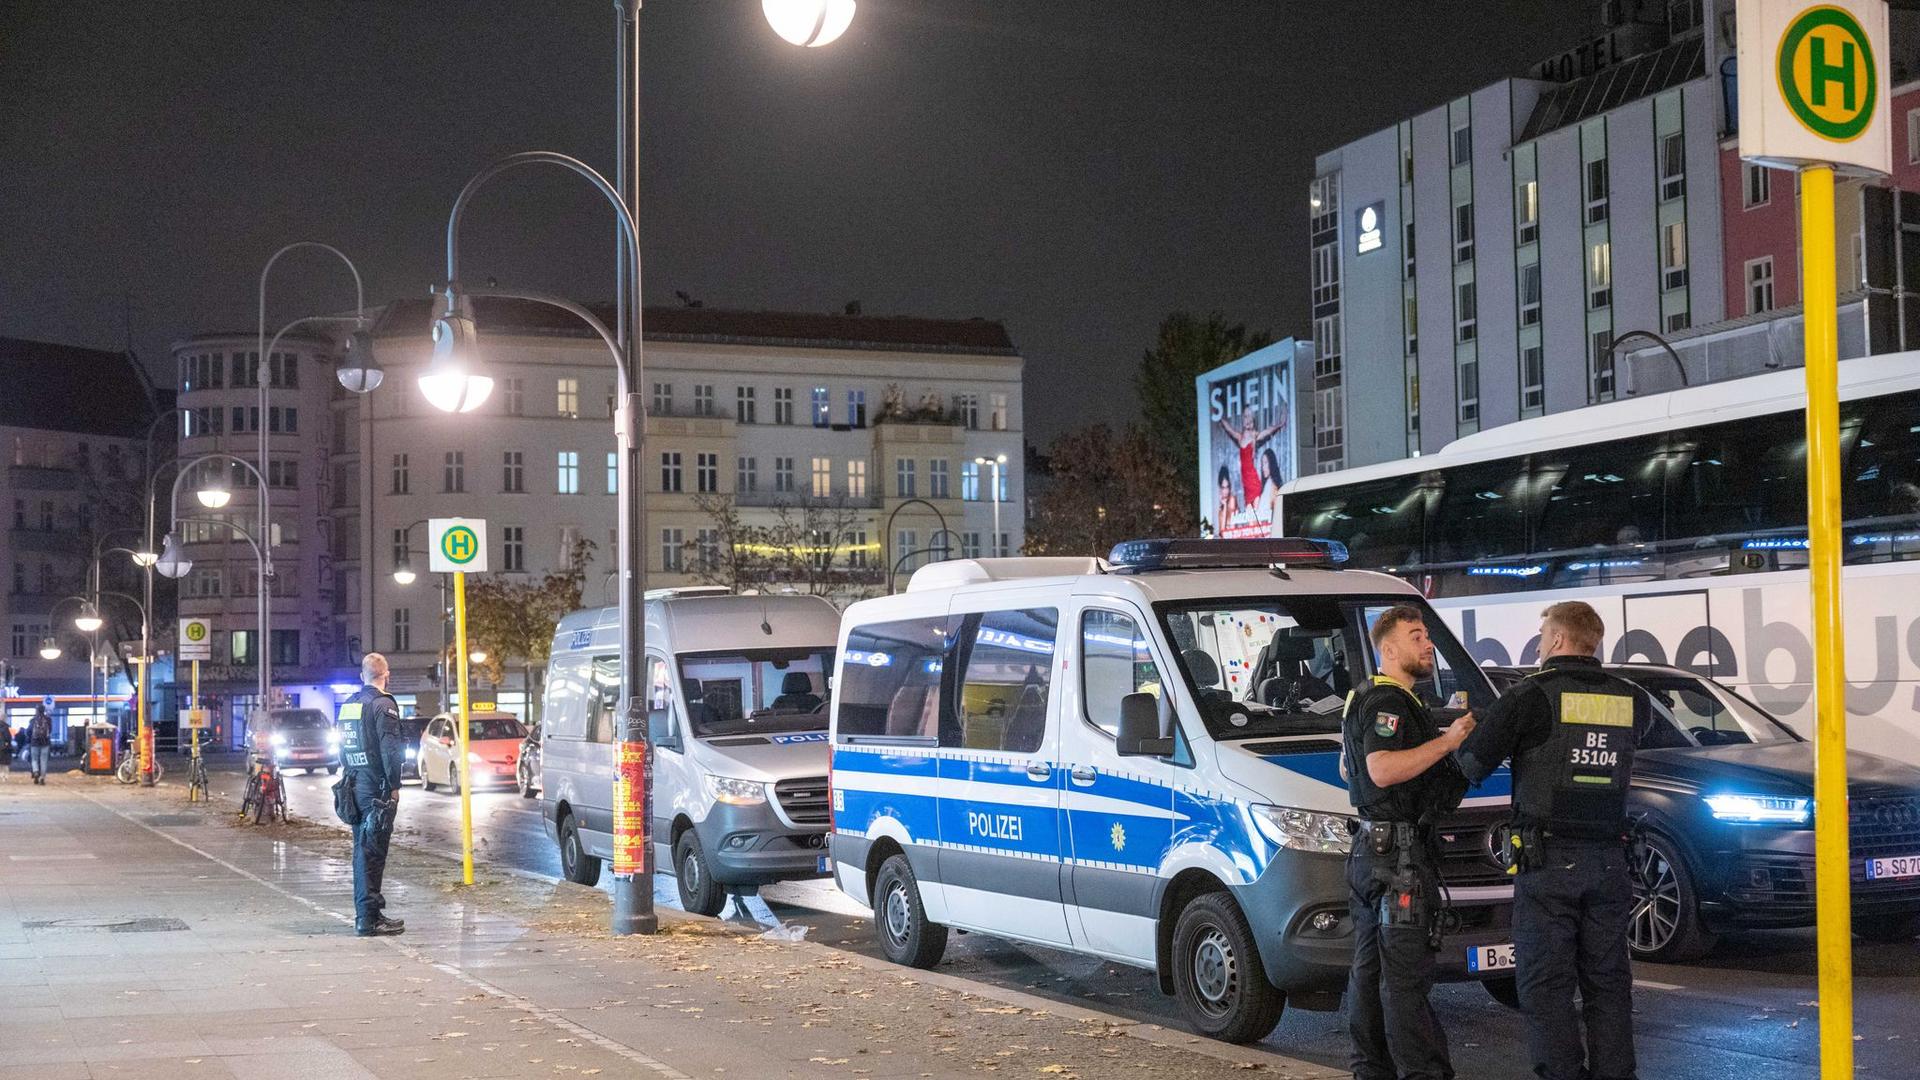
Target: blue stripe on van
column 1325, row 767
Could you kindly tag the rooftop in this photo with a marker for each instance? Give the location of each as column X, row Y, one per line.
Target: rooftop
column 1612, row 87
column 791, row 329
column 67, row 388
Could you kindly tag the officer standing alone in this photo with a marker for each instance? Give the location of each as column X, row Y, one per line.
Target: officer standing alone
column 372, row 746
column 1400, row 778
column 1570, row 731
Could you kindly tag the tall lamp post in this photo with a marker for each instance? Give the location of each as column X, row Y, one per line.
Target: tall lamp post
column 404, row 574
column 998, row 461
column 146, row 644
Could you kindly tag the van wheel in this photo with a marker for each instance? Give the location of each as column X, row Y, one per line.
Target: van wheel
column 699, row 893
column 1505, row 991
column 575, row 864
column 1666, row 927
column 1217, row 973
column 900, row 919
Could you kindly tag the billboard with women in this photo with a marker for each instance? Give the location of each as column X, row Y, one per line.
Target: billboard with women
column 1247, row 439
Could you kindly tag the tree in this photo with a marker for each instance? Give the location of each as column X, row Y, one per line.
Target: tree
column 1186, row 348
column 514, row 621
column 1104, row 489
column 808, row 545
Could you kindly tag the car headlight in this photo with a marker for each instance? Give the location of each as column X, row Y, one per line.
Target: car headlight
column 1761, row 809
column 277, row 739
column 1305, row 830
column 412, row 752
column 726, row 789
column 474, row 758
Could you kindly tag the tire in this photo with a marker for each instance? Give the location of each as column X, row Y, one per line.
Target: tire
column 1223, row 990
column 425, row 784
column 699, row 893
column 1666, row 927
column 575, row 864
column 525, row 783
column 900, row 919
column 1891, row 930
column 1505, row 991
column 126, row 772
column 333, row 770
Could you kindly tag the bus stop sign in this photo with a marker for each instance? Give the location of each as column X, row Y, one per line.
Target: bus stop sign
column 1813, row 84
column 457, row 545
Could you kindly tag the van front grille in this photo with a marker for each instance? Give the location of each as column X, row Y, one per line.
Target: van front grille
column 803, row 800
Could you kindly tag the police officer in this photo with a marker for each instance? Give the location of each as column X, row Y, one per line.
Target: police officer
column 372, row 747
column 1570, row 731
column 1400, row 778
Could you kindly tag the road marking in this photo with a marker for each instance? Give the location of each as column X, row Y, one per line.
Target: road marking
column 531, row 1009
column 50, row 858
column 1649, row 984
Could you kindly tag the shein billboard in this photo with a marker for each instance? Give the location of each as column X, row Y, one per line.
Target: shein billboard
column 1247, row 439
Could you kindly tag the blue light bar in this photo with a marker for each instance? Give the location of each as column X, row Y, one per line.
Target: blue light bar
column 1135, row 556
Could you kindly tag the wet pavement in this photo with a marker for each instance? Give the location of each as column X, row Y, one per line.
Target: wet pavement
column 1748, row 1008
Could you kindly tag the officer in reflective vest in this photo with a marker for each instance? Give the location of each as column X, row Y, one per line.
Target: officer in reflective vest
column 1570, row 731
column 1400, row 778
column 372, row 746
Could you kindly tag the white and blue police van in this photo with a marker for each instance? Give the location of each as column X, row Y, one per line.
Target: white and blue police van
column 1139, row 759
column 737, row 691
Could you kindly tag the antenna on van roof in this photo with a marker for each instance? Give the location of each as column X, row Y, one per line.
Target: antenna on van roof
column 765, row 626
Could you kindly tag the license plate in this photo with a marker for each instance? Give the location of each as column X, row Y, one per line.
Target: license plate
column 824, row 864
column 1897, row 866
column 1490, row 958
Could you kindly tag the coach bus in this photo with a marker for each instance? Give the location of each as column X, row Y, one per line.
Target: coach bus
column 1682, row 517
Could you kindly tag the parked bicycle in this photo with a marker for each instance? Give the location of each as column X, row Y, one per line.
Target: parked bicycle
column 128, row 770
column 266, row 798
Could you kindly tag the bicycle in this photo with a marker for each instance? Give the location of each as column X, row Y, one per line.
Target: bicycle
column 266, row 797
column 128, row 771
column 197, row 784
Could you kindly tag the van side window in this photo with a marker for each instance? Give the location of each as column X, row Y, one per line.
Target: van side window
column 603, row 699
column 1009, row 666
column 1114, row 661
column 891, row 679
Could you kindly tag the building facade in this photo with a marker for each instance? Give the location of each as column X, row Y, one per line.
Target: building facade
column 1500, row 244
column 858, row 439
column 73, row 426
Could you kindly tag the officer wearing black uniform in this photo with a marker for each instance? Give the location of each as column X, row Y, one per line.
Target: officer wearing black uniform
column 1570, row 731
column 1400, row 778
column 373, row 748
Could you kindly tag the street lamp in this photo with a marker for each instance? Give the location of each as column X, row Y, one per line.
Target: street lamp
column 89, row 620
column 998, row 461
column 477, row 656
column 214, row 494
column 812, row 23
column 49, row 648
column 360, row 371
column 174, row 563
column 403, row 574
column 451, row 383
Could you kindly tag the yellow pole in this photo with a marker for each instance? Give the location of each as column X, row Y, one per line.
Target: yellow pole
column 466, row 767
column 146, row 743
column 1832, row 877
column 193, row 704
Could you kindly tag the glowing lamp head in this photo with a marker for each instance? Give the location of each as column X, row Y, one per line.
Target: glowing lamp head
column 403, row 574
column 811, row 23
column 88, row 620
column 478, row 656
column 360, row 371
column 214, row 493
column 452, row 382
column 145, row 557
column 173, row 562
column 49, row 649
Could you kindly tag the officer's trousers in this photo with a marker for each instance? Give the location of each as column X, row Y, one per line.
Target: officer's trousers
column 370, row 839
column 1396, row 1033
column 1570, row 920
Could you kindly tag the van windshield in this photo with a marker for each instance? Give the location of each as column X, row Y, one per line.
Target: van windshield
column 756, row 691
column 1283, row 665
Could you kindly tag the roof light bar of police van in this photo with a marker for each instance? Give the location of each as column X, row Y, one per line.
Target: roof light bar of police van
column 1137, row 556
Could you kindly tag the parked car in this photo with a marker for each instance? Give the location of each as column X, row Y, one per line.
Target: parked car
column 493, row 747
column 527, row 775
column 411, row 728
column 1726, row 790
column 298, row 739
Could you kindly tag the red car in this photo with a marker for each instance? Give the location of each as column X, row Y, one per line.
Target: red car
column 493, row 750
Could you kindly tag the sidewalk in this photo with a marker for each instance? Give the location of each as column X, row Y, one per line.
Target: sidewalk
column 144, row 937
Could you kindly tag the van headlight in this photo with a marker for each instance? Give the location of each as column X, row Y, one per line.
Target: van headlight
column 277, row 739
column 1305, row 830
column 726, row 789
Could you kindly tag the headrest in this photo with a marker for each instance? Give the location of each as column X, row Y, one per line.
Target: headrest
column 796, row 682
column 1200, row 664
column 1288, row 649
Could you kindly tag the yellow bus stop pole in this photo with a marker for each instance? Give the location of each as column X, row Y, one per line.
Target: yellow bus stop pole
column 140, row 725
column 193, row 705
column 466, row 766
column 1833, row 880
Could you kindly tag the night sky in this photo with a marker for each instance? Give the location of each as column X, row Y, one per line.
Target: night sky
column 1074, row 168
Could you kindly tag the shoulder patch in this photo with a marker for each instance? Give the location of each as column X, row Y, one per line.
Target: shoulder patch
column 1386, row 723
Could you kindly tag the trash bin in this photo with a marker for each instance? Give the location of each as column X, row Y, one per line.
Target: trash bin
column 101, row 740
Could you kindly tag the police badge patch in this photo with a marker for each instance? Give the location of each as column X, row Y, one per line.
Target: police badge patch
column 1385, row 724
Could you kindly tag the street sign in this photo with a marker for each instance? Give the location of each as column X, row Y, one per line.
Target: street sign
column 457, row 545
column 1814, row 84
column 196, row 639
column 196, row 719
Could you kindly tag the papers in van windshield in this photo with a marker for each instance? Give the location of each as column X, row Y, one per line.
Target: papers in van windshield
column 1332, row 703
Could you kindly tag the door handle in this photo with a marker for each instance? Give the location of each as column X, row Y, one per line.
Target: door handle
column 1081, row 775
column 1039, row 770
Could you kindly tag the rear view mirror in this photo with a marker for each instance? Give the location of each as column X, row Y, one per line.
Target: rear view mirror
column 1140, row 728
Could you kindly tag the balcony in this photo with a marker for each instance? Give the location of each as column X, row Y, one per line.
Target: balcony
column 798, row 499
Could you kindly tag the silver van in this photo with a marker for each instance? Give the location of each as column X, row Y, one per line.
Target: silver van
column 738, row 706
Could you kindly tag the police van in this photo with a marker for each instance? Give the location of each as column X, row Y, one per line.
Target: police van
column 737, row 702
column 1139, row 759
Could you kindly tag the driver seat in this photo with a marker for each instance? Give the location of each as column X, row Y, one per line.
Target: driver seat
column 796, row 693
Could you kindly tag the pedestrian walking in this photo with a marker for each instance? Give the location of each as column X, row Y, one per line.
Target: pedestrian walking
column 372, row 747
column 1400, row 778
column 39, row 741
column 1570, row 732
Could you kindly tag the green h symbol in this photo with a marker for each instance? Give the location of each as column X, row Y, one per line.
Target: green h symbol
column 1820, row 73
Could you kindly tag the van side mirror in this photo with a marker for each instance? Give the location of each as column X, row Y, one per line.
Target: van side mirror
column 660, row 729
column 1140, row 728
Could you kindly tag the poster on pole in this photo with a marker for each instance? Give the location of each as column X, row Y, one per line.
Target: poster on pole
column 1247, row 439
column 196, row 640
column 1815, row 87
column 457, row 545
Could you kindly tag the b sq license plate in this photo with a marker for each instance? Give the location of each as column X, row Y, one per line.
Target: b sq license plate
column 1490, row 958
column 824, row 864
column 1894, row 866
